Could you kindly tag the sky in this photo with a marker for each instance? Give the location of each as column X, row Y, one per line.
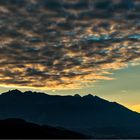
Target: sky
column 72, row 47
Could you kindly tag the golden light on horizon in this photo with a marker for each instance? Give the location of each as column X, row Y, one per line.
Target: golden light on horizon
column 135, row 107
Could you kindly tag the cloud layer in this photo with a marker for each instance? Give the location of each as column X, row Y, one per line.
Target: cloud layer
column 60, row 44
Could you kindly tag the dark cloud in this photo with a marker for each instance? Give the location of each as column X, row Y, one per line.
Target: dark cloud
column 57, row 44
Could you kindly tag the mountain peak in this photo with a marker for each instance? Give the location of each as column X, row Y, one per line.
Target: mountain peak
column 89, row 96
column 13, row 92
column 77, row 95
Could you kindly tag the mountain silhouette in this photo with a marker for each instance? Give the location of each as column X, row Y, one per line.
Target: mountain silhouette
column 90, row 115
column 20, row 129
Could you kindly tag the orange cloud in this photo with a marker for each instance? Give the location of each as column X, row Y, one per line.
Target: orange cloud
column 66, row 44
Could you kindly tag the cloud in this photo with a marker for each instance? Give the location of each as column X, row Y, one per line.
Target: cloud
column 66, row 44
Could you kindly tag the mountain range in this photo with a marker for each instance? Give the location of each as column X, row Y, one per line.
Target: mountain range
column 20, row 129
column 90, row 115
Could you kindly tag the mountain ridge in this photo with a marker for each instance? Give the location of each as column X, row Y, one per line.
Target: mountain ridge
column 18, row 129
column 12, row 92
column 90, row 115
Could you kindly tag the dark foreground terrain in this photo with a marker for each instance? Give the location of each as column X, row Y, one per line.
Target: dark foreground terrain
column 19, row 129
